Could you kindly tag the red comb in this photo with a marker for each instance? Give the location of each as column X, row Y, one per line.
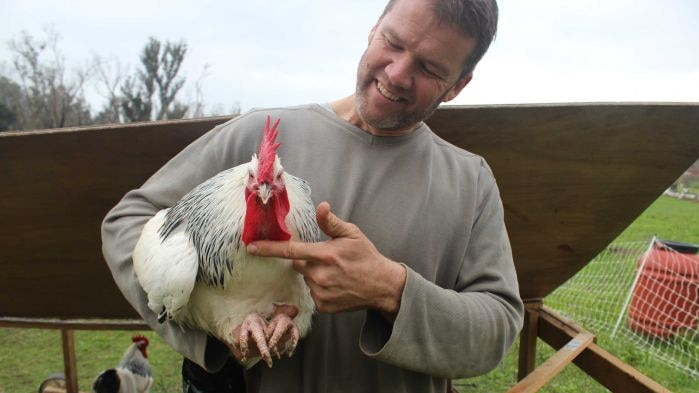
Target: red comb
column 139, row 338
column 268, row 151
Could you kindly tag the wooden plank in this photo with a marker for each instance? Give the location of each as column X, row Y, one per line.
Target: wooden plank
column 57, row 186
column 573, row 176
column 556, row 329
column 604, row 367
column 527, row 340
column 73, row 324
column 614, row 374
column 69, row 362
column 550, row 368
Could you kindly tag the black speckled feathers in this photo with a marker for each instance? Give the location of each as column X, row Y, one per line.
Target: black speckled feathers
column 212, row 216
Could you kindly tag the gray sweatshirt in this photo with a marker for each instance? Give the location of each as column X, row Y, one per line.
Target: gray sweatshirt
column 422, row 201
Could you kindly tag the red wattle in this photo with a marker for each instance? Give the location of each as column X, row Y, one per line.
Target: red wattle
column 281, row 209
column 266, row 221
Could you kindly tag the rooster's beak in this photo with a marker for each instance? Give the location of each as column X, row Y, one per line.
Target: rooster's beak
column 264, row 192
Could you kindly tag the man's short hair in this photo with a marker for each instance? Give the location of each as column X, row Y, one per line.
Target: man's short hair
column 476, row 18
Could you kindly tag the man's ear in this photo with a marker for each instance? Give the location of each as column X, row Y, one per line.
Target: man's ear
column 458, row 86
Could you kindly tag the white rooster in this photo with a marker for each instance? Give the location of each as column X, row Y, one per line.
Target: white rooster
column 132, row 375
column 192, row 262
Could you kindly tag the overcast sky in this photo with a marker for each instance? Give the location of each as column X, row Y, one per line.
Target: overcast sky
column 269, row 53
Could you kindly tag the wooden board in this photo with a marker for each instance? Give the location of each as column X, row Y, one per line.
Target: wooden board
column 572, row 177
column 605, row 368
column 55, row 189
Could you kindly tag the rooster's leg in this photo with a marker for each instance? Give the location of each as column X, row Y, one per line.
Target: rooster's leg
column 282, row 325
column 254, row 326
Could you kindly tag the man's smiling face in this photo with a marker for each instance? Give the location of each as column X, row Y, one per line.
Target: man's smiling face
column 412, row 64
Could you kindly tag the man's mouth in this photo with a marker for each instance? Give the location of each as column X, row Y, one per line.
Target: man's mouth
column 384, row 92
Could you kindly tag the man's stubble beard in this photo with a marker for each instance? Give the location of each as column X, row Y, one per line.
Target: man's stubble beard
column 391, row 122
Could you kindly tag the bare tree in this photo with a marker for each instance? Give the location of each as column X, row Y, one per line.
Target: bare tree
column 158, row 77
column 40, row 91
column 109, row 76
column 50, row 97
column 10, row 93
column 198, row 104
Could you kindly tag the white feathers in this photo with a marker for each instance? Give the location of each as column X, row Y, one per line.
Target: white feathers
column 132, row 383
column 302, row 216
column 135, row 370
column 253, row 165
column 166, row 269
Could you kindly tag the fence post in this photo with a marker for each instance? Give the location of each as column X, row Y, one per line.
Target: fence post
column 527, row 339
column 71, row 371
column 633, row 285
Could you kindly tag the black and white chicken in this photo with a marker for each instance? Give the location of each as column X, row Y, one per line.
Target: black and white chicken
column 132, row 375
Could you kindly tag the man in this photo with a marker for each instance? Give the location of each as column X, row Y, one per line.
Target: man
column 415, row 283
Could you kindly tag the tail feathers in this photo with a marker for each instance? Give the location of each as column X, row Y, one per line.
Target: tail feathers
column 107, row 382
column 120, row 380
column 164, row 316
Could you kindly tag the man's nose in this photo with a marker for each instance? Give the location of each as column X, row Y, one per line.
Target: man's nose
column 400, row 72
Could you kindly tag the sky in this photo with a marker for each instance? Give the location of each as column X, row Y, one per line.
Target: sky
column 268, row 53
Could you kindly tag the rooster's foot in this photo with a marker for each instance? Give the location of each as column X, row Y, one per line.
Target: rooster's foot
column 254, row 327
column 282, row 325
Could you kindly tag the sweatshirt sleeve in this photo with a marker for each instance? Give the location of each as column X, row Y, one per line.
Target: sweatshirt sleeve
column 122, row 227
column 462, row 331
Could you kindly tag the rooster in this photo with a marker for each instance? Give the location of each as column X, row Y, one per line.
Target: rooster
column 132, row 375
column 192, row 262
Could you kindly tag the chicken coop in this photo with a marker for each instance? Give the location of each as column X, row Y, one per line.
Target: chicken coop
column 572, row 177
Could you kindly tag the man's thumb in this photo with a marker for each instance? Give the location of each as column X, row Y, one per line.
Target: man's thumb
column 329, row 223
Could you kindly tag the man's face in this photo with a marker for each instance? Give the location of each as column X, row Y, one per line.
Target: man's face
column 412, row 64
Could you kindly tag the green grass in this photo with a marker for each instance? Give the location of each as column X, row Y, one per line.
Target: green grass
column 570, row 380
column 574, row 380
column 27, row 356
column 669, row 218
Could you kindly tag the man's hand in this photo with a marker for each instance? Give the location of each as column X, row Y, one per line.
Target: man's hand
column 344, row 273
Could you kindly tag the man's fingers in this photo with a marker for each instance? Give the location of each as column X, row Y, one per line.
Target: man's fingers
column 287, row 250
column 301, row 252
column 296, row 251
column 331, row 224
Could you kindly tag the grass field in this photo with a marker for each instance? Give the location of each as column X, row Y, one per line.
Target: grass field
column 27, row 356
column 667, row 218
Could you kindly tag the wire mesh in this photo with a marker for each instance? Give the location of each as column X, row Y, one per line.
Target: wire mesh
column 642, row 294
